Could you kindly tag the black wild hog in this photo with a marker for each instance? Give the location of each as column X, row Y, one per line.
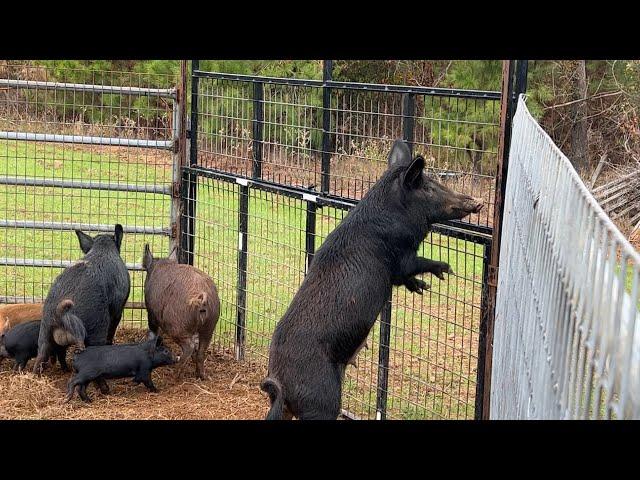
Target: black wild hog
column 85, row 303
column 14, row 314
column 348, row 282
column 21, row 344
column 137, row 360
column 183, row 302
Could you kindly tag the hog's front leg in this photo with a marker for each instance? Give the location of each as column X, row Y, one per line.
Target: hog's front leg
column 416, row 285
column 413, row 265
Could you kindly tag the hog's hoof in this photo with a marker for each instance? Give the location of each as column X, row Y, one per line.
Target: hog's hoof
column 440, row 268
column 104, row 390
column 416, row 285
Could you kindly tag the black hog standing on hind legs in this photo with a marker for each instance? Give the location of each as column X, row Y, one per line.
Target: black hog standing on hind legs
column 85, row 303
column 183, row 302
column 348, row 282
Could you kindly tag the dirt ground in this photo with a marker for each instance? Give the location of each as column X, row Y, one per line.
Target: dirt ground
column 231, row 392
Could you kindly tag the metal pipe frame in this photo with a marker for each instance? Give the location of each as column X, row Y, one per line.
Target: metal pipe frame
column 372, row 87
column 90, row 227
column 116, row 187
column 17, row 299
column 82, row 87
column 86, row 140
column 36, row 262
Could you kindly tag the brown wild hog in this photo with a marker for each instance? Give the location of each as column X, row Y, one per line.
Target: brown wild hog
column 15, row 314
column 183, row 302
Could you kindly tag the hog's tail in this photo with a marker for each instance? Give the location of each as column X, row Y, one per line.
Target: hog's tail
column 200, row 302
column 273, row 388
column 70, row 322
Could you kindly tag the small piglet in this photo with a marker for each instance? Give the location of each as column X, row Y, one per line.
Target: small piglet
column 183, row 302
column 21, row 344
column 14, row 314
column 98, row 363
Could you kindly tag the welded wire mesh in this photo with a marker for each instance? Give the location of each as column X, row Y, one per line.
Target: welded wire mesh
column 458, row 136
column 567, row 327
column 262, row 148
column 81, row 149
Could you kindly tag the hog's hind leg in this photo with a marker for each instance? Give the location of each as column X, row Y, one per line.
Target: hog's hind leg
column 82, row 391
column 322, row 400
column 102, row 385
column 204, row 339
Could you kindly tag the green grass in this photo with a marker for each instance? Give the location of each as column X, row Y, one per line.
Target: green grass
column 434, row 336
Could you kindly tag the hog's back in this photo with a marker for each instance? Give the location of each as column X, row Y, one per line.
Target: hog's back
column 88, row 288
column 23, row 338
column 169, row 293
column 15, row 314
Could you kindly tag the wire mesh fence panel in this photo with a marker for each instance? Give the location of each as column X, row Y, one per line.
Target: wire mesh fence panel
column 216, row 250
column 276, row 264
column 567, row 329
column 292, row 157
column 81, row 149
column 434, row 337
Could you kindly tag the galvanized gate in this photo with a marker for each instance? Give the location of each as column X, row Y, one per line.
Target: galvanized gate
column 276, row 163
column 84, row 156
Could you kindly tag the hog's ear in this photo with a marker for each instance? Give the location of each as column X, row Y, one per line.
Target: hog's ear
column 174, row 254
column 147, row 258
column 118, row 233
column 399, row 154
column 86, row 242
column 150, row 344
column 413, row 175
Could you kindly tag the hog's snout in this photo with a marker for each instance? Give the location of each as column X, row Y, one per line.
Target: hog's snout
column 474, row 205
column 467, row 205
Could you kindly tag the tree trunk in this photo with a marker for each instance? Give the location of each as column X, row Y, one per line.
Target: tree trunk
column 579, row 143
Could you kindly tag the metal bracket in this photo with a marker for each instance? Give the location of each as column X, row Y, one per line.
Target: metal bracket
column 175, row 189
column 492, row 281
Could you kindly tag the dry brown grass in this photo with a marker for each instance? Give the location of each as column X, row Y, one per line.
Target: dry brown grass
column 231, row 392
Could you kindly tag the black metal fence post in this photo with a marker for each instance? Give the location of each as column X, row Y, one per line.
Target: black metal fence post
column 310, row 232
column 408, row 126
column 243, row 228
column 327, row 75
column 514, row 82
column 482, row 334
column 258, row 123
column 408, row 118
column 189, row 177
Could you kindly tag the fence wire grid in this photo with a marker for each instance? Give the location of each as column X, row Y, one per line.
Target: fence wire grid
column 567, row 326
column 278, row 165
